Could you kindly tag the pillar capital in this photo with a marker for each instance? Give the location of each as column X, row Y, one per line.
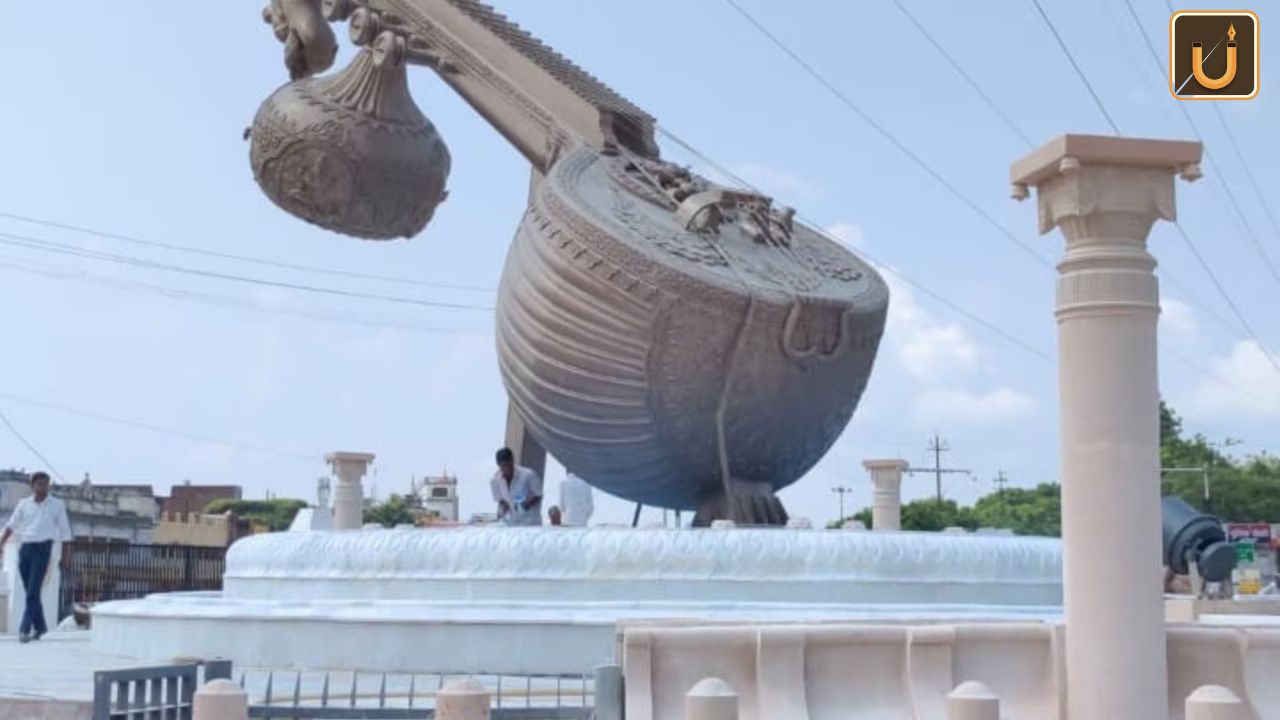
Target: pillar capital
column 344, row 463
column 1092, row 177
column 886, row 499
column 874, row 465
column 348, row 497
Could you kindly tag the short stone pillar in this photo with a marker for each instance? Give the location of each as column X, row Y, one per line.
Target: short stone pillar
column 711, row 699
column 1214, row 702
column 972, row 701
column 608, row 695
column 886, row 500
column 348, row 497
column 463, row 700
column 1105, row 193
column 220, row 700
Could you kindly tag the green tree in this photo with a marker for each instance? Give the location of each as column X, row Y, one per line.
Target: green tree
column 1245, row 490
column 277, row 514
column 927, row 515
column 1240, row 490
column 1026, row 511
column 389, row 514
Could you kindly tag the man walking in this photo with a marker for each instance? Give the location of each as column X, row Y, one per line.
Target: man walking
column 38, row 522
column 517, row 490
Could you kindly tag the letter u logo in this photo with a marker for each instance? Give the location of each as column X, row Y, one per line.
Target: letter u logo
column 1197, row 67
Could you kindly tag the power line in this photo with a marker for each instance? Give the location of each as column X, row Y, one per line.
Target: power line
column 1253, row 182
column 1204, row 265
column 911, row 155
column 224, row 302
column 1009, row 337
column 1216, row 173
column 816, row 227
column 976, row 87
column 151, row 428
column 241, row 258
column 1079, row 72
column 955, row 65
column 1227, row 297
column 5, row 419
column 63, row 249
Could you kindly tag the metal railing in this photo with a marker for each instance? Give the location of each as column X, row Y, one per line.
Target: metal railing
column 167, row 692
column 151, row 693
column 98, row 572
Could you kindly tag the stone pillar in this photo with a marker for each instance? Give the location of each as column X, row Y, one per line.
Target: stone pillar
column 886, row 504
column 463, row 700
column 348, row 496
column 972, row 701
column 1105, row 193
column 528, row 452
column 1214, row 702
column 711, row 699
column 220, row 700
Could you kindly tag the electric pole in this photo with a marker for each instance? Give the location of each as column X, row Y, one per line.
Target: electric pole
column 841, row 490
column 938, row 446
column 1000, row 481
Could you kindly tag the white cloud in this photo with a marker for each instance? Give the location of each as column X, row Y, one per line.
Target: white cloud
column 927, row 348
column 1242, row 383
column 847, row 233
column 942, row 407
column 1178, row 317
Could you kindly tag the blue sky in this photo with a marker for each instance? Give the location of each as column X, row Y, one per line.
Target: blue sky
column 129, row 120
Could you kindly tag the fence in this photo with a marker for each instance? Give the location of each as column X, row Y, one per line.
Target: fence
column 166, row 692
column 154, row 692
column 98, row 572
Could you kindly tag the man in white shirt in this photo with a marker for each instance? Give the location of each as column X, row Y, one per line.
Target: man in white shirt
column 517, row 490
column 576, row 500
column 38, row 522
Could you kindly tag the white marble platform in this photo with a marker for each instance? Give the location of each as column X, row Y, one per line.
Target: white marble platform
column 548, row 600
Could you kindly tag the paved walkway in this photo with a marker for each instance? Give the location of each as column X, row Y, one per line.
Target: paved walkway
column 59, row 666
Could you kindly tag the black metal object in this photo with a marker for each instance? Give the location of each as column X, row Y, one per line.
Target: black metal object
column 99, row 572
column 153, row 692
column 1191, row 536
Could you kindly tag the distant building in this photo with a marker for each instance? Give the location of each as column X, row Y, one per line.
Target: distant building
column 133, row 513
column 186, row 498
column 436, row 497
column 113, row 512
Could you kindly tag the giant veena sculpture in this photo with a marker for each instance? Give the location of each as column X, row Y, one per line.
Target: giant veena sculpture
column 671, row 341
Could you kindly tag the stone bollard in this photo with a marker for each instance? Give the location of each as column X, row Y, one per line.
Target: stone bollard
column 220, row 700
column 609, row 698
column 972, row 701
column 1214, row 702
column 711, row 699
column 463, row 700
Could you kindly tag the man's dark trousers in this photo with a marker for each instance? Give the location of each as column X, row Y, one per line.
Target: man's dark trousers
column 33, row 562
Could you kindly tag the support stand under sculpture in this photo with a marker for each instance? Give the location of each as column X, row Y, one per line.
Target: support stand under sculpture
column 677, row 343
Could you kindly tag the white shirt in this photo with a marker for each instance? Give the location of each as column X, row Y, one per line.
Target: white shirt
column 33, row 522
column 524, row 483
column 576, row 501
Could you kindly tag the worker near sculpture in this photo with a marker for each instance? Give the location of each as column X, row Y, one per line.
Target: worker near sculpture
column 517, row 490
column 38, row 522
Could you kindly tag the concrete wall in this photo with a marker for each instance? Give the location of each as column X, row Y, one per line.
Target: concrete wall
column 193, row 529
column 896, row 671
